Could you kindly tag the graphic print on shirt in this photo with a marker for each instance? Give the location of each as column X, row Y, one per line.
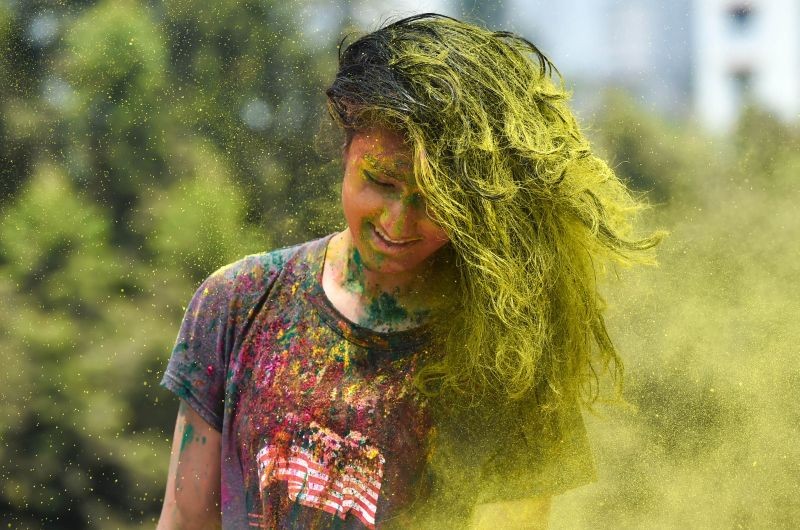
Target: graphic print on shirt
column 325, row 471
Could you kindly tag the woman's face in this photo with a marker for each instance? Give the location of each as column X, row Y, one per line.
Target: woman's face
column 382, row 205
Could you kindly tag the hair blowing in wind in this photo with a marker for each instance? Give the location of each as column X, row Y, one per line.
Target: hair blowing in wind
column 533, row 216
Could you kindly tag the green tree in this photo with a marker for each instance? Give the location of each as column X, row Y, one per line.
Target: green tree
column 147, row 145
column 64, row 295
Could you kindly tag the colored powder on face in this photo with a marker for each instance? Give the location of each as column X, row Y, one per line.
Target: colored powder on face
column 414, row 201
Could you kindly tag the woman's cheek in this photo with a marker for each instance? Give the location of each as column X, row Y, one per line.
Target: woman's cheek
column 369, row 201
column 360, row 204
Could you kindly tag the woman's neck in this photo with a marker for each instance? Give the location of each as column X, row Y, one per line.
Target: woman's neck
column 380, row 300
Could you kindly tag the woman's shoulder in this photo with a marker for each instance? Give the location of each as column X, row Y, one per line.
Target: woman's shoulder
column 255, row 272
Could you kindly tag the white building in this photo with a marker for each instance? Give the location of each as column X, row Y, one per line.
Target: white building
column 702, row 57
column 682, row 58
column 642, row 46
column 746, row 51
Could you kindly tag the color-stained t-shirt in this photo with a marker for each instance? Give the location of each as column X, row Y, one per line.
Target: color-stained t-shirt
column 321, row 426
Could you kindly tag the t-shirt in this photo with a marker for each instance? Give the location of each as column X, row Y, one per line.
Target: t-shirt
column 321, row 425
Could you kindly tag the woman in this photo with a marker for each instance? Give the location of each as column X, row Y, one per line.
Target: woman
column 421, row 368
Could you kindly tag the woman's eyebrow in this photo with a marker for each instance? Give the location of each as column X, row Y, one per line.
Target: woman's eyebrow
column 388, row 171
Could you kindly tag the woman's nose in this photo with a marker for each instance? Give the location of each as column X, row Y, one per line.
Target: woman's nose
column 398, row 219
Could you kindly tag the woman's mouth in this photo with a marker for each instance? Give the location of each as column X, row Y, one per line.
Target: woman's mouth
column 388, row 243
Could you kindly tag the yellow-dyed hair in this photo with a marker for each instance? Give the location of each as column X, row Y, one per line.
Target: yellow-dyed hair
column 533, row 216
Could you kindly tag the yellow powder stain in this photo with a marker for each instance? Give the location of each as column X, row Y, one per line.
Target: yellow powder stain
column 346, row 355
column 403, row 392
column 314, row 333
column 349, row 391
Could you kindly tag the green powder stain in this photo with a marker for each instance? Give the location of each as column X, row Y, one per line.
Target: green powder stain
column 358, row 263
column 415, row 201
column 188, row 434
column 386, row 309
column 184, row 390
column 355, row 270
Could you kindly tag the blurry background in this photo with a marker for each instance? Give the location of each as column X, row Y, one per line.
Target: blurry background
column 145, row 143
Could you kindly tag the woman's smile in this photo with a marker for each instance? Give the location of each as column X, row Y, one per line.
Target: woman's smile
column 382, row 205
column 389, row 244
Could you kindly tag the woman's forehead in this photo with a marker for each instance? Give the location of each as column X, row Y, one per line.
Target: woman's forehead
column 391, row 165
column 384, row 150
column 382, row 139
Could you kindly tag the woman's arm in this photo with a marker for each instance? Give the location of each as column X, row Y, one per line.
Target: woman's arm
column 533, row 513
column 192, row 500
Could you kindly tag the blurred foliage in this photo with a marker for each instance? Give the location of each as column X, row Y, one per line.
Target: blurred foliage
column 652, row 155
column 143, row 145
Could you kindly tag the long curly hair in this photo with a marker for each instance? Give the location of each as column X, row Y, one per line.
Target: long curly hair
column 533, row 216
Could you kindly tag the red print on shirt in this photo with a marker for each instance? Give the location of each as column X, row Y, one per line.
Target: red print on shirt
column 325, row 471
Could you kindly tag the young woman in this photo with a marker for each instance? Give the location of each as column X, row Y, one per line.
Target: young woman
column 423, row 367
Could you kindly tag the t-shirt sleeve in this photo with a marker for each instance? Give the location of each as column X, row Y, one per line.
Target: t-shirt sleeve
column 535, row 461
column 197, row 366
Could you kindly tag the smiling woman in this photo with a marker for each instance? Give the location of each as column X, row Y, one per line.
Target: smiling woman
column 421, row 368
column 385, row 213
column 382, row 270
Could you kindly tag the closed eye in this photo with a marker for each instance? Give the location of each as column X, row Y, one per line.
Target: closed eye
column 371, row 176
